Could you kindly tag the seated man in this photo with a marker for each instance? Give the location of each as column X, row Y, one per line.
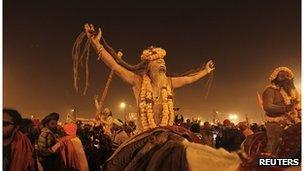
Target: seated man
column 18, row 152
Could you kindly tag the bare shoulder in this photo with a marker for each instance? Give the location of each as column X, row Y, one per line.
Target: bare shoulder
column 269, row 90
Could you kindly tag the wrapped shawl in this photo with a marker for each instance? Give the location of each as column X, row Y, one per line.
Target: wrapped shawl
column 72, row 150
column 22, row 154
column 67, row 151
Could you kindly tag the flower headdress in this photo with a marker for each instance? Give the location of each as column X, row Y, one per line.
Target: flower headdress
column 275, row 73
column 153, row 53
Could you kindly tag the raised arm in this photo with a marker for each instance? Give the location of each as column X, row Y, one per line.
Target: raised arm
column 122, row 72
column 182, row 81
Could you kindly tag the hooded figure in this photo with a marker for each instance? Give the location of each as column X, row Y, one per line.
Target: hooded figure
column 71, row 149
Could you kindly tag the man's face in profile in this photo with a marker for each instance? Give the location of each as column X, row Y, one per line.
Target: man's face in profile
column 9, row 129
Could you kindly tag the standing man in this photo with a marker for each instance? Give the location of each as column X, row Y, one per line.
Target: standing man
column 106, row 119
column 118, row 133
column 18, row 152
column 48, row 144
column 281, row 103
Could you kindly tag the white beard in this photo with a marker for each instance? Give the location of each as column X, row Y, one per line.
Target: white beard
column 159, row 79
column 162, row 80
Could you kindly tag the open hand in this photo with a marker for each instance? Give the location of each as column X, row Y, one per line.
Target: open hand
column 93, row 35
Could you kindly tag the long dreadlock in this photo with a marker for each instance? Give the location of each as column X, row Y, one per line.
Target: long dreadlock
column 82, row 58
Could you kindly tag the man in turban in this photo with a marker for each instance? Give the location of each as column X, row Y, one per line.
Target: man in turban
column 161, row 146
column 281, row 103
column 152, row 88
column 48, row 144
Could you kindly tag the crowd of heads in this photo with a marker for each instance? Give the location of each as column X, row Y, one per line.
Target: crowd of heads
column 99, row 146
column 226, row 134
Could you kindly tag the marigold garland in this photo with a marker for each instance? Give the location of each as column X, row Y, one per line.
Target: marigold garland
column 275, row 73
column 294, row 96
column 146, row 105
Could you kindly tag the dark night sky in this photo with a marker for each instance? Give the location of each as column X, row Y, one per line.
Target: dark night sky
column 246, row 39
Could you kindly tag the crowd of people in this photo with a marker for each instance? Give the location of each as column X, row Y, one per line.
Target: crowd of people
column 225, row 135
column 30, row 144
